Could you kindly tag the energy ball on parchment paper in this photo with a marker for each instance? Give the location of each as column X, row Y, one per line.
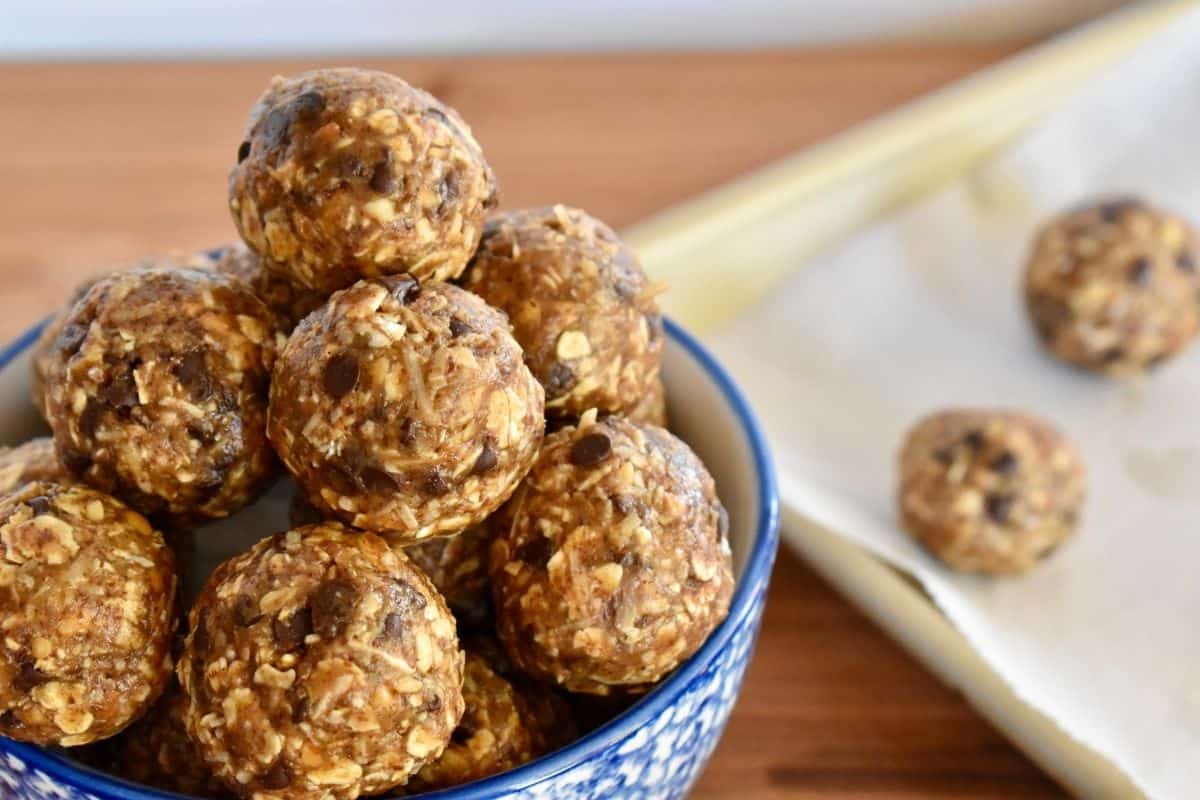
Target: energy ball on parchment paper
column 320, row 664
column 579, row 303
column 457, row 565
column 1113, row 287
column 290, row 301
column 157, row 391
column 156, row 751
column 405, row 408
column 616, row 566
column 989, row 491
column 87, row 614
column 499, row 730
column 34, row 460
column 349, row 173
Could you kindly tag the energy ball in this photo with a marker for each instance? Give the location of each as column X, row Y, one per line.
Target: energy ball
column 989, row 491
column 1112, row 287
column 156, row 751
column 616, row 566
column 288, row 300
column 457, row 565
column 348, row 173
column 34, row 460
column 405, row 409
column 499, row 730
column 579, row 303
column 157, row 392
column 320, row 664
column 43, row 348
column 87, row 614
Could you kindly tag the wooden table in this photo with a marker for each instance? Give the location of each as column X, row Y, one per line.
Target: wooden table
column 101, row 164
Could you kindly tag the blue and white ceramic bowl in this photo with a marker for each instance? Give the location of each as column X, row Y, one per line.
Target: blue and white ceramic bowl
column 653, row 751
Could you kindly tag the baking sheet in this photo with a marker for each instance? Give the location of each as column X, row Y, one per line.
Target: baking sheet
column 922, row 311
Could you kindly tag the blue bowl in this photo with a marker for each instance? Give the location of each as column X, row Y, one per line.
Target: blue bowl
column 657, row 748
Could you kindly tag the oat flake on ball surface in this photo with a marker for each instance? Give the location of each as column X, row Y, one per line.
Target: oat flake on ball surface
column 350, row 173
column 405, row 408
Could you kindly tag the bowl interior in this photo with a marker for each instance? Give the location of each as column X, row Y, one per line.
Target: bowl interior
column 705, row 409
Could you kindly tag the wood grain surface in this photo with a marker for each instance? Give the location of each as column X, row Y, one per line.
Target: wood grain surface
column 102, row 164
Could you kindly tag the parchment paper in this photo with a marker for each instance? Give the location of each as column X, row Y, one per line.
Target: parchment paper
column 923, row 311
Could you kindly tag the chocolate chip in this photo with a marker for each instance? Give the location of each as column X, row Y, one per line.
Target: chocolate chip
column 1112, row 355
column 291, row 632
column 462, row 734
column 973, row 439
column 28, row 677
column 1186, row 262
column 245, row 611
column 192, row 373
column 1111, row 210
column 405, row 288
column 487, row 460
column 448, row 192
column 308, row 105
column 458, row 327
column 393, row 626
column 300, row 709
column 560, row 378
column 383, row 180
column 1140, row 272
column 340, row 376
column 243, row 151
column 410, row 429
column 70, row 338
column 591, row 450
column 944, row 456
column 333, row 608
column 200, row 637
column 374, row 479
column 39, row 505
column 435, row 483
column 440, row 116
column 275, row 129
column 405, row 597
column 121, row 392
column 351, row 166
column 90, row 419
column 279, row 776
column 999, row 506
column 536, row 552
column 1004, row 464
column 433, row 704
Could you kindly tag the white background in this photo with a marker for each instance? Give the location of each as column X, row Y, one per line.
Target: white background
column 230, row 28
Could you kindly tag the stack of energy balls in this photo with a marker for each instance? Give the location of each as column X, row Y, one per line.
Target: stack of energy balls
column 469, row 404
